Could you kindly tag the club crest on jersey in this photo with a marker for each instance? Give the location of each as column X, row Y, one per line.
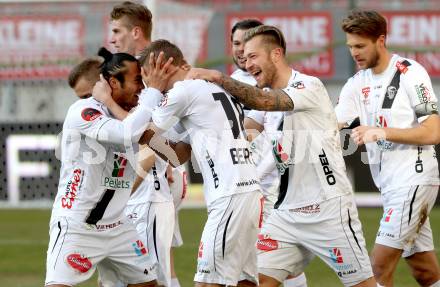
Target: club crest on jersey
column 90, row 114
column 79, row 262
column 282, row 159
column 366, row 94
column 391, row 92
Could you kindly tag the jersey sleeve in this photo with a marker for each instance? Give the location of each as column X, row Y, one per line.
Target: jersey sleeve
column 91, row 121
column 305, row 94
column 418, row 87
column 346, row 109
column 257, row 116
column 172, row 108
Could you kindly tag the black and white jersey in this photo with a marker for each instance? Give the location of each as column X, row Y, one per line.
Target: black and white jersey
column 96, row 175
column 214, row 122
column 311, row 140
column 400, row 97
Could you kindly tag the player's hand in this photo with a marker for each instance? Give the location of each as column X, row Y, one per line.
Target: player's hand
column 102, row 91
column 205, row 74
column 366, row 134
column 158, row 72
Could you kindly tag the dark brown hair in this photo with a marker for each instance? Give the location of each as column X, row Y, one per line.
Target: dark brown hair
column 169, row 49
column 272, row 36
column 134, row 15
column 365, row 23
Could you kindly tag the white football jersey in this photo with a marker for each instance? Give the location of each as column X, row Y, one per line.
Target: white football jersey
column 262, row 153
column 244, row 77
column 96, row 176
column 214, row 122
column 393, row 99
column 311, row 140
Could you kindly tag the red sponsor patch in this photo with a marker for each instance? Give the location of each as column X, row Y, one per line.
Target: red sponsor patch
column 200, row 253
column 90, row 114
column 402, row 68
column 366, row 92
column 78, row 262
column 266, row 244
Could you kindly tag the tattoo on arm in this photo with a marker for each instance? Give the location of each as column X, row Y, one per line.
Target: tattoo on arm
column 255, row 98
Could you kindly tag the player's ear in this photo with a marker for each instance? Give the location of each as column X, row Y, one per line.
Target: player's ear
column 113, row 82
column 276, row 54
column 185, row 66
column 381, row 41
column 137, row 32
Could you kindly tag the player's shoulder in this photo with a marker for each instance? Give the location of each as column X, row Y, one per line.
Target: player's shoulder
column 300, row 81
column 86, row 110
column 408, row 66
column 243, row 77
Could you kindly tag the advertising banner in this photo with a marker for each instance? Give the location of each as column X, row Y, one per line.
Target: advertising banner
column 308, row 38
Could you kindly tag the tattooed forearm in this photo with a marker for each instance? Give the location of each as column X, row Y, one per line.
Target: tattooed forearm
column 255, row 98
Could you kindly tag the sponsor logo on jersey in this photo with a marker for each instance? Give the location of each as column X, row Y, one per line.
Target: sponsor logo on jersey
column 119, row 165
column 241, row 156
column 139, row 248
column 401, row 67
column 338, row 263
column 200, row 252
column 214, row 174
column 336, row 255
column 366, row 94
column 73, row 185
column 310, row 209
column 419, row 162
column 79, row 262
column 107, row 226
column 329, row 177
column 265, row 243
column 298, row 85
column 387, row 215
column 90, row 114
column 423, row 93
column 282, row 159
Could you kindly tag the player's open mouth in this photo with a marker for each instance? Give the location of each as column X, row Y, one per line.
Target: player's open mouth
column 256, row 74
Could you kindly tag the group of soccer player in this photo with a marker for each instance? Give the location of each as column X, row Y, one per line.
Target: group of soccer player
column 267, row 143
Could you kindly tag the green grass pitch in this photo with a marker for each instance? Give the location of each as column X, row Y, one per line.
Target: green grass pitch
column 24, row 239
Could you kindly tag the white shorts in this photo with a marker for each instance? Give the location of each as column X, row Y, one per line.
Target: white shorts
column 405, row 222
column 178, row 190
column 331, row 230
column 227, row 252
column 155, row 225
column 76, row 249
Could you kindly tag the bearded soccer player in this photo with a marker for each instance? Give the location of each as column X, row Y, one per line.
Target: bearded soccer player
column 399, row 124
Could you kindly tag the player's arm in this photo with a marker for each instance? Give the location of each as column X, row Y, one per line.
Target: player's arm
column 176, row 153
column 146, row 160
column 252, row 97
column 252, row 124
column 346, row 109
column 131, row 128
